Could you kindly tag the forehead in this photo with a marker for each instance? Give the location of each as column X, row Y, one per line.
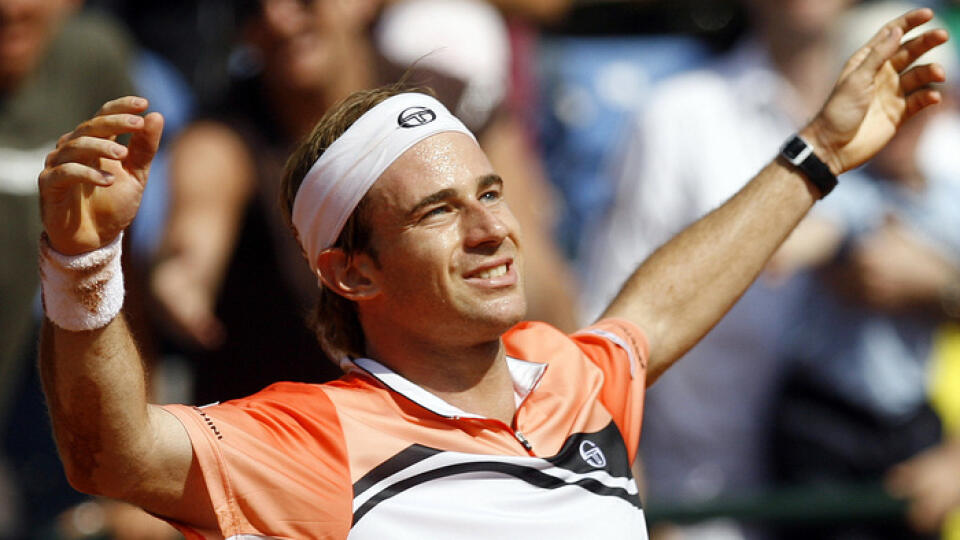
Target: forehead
column 448, row 160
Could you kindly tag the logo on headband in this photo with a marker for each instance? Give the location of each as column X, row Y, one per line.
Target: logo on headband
column 416, row 116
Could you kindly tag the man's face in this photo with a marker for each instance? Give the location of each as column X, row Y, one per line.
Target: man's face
column 26, row 27
column 447, row 244
column 798, row 18
column 303, row 41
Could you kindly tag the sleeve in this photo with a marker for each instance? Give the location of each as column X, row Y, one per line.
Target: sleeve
column 620, row 350
column 272, row 467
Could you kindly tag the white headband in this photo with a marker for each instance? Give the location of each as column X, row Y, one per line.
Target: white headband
column 347, row 169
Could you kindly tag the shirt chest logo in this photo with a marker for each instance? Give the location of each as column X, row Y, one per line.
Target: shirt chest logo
column 592, row 454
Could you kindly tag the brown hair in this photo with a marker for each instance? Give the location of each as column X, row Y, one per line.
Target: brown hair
column 335, row 320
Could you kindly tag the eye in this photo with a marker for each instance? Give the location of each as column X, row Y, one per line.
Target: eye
column 438, row 211
column 490, row 196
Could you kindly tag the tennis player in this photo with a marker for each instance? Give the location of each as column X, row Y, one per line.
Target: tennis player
column 454, row 419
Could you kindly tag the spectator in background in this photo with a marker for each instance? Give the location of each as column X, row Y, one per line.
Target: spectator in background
column 700, row 135
column 44, row 88
column 46, row 57
column 886, row 254
column 222, row 228
column 48, row 51
column 230, row 276
column 930, row 481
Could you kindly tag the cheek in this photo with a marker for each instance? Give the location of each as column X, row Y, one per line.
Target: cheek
column 419, row 261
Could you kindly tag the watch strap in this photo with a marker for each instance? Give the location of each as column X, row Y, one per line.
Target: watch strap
column 800, row 154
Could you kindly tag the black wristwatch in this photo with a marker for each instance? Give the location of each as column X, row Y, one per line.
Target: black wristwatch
column 801, row 155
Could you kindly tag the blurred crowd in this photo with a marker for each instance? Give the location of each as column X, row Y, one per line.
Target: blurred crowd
column 615, row 123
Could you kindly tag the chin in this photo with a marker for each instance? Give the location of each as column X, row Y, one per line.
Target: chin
column 504, row 314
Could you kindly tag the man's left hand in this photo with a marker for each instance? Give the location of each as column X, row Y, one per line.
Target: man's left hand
column 876, row 93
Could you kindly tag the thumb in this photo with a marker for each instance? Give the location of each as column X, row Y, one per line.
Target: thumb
column 143, row 146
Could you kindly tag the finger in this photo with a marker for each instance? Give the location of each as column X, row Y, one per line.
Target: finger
column 143, row 146
column 109, row 125
column 921, row 99
column 129, row 105
column 883, row 36
column 920, row 76
column 911, row 19
column 86, row 150
column 916, row 47
column 880, row 51
column 67, row 174
column 64, row 138
column 126, row 104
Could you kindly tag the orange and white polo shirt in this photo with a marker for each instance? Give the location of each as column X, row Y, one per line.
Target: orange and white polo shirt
column 374, row 456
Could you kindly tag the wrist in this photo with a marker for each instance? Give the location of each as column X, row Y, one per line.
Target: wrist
column 801, row 155
column 83, row 239
column 815, row 137
column 81, row 292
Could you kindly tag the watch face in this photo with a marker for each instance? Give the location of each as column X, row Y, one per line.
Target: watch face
column 794, row 148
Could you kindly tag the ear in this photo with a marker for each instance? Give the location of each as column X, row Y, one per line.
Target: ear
column 353, row 277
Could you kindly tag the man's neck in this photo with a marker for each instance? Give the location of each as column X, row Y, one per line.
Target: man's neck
column 475, row 378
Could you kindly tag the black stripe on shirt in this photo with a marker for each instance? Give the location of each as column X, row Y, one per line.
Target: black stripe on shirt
column 407, row 457
column 529, row 475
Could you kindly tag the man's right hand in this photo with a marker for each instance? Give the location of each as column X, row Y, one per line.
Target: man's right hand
column 111, row 441
column 91, row 185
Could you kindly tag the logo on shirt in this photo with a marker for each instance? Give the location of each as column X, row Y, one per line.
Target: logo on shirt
column 592, row 454
column 416, row 116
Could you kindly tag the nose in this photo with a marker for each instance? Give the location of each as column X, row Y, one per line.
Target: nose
column 484, row 225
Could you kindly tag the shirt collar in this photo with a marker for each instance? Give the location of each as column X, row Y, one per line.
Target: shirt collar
column 526, row 375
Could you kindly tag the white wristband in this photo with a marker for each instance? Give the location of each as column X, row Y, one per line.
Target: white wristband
column 81, row 292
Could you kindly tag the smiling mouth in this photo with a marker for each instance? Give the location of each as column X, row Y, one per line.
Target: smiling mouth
column 494, row 272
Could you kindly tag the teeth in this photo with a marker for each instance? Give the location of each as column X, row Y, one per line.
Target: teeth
column 493, row 272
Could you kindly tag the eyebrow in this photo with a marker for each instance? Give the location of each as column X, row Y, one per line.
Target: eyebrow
column 483, row 182
column 489, row 180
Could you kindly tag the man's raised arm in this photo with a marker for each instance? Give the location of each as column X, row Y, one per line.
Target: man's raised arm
column 111, row 441
column 687, row 285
